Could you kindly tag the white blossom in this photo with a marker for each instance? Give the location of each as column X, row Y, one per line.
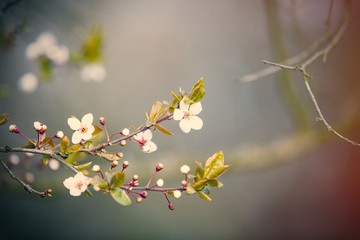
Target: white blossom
column 187, row 116
column 93, row 72
column 83, row 129
column 185, row 169
column 76, row 184
column 28, row 83
column 54, row 164
column 160, row 182
column 177, row 194
column 144, row 139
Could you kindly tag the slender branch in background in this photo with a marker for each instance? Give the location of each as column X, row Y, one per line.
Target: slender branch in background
column 320, row 53
column 295, row 105
column 8, row 6
column 328, row 19
column 27, row 187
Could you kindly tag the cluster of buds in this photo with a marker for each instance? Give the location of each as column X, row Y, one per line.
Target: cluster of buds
column 40, row 127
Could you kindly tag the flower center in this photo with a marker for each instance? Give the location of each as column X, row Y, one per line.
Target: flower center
column 142, row 142
column 83, row 130
column 78, row 185
column 187, row 115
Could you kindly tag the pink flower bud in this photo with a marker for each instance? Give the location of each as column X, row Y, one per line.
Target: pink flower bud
column 138, row 199
column 144, row 194
column 102, row 121
column 159, row 167
column 123, row 143
column 171, row 206
column 125, row 164
column 37, row 126
column 59, row 134
column 125, row 132
column 136, row 177
column 13, row 128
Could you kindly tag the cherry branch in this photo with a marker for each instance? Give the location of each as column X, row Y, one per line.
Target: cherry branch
column 27, row 187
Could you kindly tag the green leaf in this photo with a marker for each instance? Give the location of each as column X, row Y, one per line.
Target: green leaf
column 83, row 166
column 190, row 189
column 162, row 129
column 45, row 160
column 176, row 98
column 84, row 171
column 199, row 172
column 204, row 196
column 215, row 172
column 108, row 156
column 213, row 162
column 4, row 118
column 199, row 184
column 49, row 141
column 162, row 113
column 155, row 110
column 64, row 144
column 120, row 196
column 213, row 182
column 98, row 181
column 117, row 179
column 198, row 91
column 97, row 130
column 74, row 148
column 29, row 145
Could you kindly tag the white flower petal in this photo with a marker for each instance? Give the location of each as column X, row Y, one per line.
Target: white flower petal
column 139, row 136
column 86, row 136
column 196, row 123
column 183, row 106
column 196, row 108
column 91, row 129
column 69, row 182
column 87, row 119
column 152, row 146
column 178, row 114
column 75, row 192
column 76, row 137
column 74, row 123
column 147, row 135
column 185, row 125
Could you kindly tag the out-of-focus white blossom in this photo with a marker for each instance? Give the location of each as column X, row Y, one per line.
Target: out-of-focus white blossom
column 160, row 182
column 29, row 177
column 46, row 45
column 93, row 72
column 14, row 159
column 28, row 83
column 185, row 169
column 54, row 164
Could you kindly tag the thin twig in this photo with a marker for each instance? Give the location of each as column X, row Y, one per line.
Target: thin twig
column 320, row 53
column 27, row 187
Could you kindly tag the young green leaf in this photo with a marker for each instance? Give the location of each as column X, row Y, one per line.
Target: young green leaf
column 190, row 189
column 64, row 144
column 117, row 179
column 98, row 181
column 155, row 110
column 213, row 162
column 120, row 196
column 45, row 160
column 108, row 156
column 162, row 129
column 198, row 91
column 199, row 184
column 49, row 141
column 83, row 166
column 74, row 148
column 4, row 118
column 217, row 171
column 204, row 196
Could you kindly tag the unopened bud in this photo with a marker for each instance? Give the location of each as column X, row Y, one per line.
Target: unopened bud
column 114, row 164
column 125, row 164
column 160, row 182
column 144, row 194
column 102, row 121
column 159, row 167
column 138, row 199
column 125, row 132
column 96, row 168
column 136, row 183
column 59, row 134
column 123, row 143
column 184, row 183
column 96, row 188
column 171, row 206
column 37, row 126
column 185, row 169
column 120, row 154
column 13, row 128
column 177, row 194
column 43, row 129
column 136, row 177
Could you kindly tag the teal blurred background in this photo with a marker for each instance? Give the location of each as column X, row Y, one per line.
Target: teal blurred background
column 152, row 48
